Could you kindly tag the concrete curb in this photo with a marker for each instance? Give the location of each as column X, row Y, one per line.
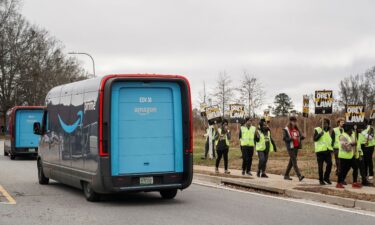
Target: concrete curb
column 346, row 202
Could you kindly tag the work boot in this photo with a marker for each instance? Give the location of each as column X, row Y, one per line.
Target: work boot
column 264, row 175
column 258, row 173
column 356, row 185
column 301, row 178
column 322, row 182
column 287, row 178
column 328, row 181
column 366, row 183
column 339, row 185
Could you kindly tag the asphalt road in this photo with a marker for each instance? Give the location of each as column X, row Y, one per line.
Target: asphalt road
column 60, row 204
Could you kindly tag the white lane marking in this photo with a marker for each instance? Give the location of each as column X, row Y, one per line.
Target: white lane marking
column 300, row 201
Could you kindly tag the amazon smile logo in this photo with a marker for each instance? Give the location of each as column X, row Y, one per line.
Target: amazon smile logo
column 70, row 128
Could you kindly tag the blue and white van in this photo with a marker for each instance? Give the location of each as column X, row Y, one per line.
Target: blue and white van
column 20, row 139
column 118, row 133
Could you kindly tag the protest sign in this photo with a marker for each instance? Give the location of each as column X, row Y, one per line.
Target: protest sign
column 306, row 106
column 323, row 102
column 355, row 115
column 213, row 114
column 237, row 113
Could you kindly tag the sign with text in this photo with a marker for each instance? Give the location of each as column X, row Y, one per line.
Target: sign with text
column 306, row 106
column 323, row 102
column 237, row 113
column 213, row 114
column 202, row 109
column 355, row 114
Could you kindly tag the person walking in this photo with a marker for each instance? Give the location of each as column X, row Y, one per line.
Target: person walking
column 264, row 145
column 368, row 150
column 247, row 136
column 347, row 149
column 210, row 142
column 222, row 139
column 323, row 151
column 335, row 135
column 293, row 137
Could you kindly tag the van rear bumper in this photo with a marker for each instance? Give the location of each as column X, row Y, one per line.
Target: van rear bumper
column 24, row 151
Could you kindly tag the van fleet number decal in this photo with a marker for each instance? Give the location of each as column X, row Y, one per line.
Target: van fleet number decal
column 145, row 110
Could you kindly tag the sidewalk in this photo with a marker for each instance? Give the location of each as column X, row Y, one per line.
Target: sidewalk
column 307, row 189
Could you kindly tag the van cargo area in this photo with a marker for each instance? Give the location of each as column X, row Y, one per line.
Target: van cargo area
column 25, row 119
column 146, row 128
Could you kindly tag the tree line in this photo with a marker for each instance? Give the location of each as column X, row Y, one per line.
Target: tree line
column 31, row 60
column 353, row 89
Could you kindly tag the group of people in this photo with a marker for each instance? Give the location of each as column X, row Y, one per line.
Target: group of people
column 351, row 147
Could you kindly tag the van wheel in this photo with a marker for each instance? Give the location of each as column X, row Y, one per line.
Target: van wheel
column 12, row 157
column 89, row 193
column 41, row 177
column 168, row 194
column 6, row 153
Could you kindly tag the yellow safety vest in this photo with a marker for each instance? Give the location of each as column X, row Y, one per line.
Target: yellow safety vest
column 324, row 143
column 337, row 132
column 261, row 144
column 226, row 138
column 344, row 154
column 362, row 138
column 247, row 136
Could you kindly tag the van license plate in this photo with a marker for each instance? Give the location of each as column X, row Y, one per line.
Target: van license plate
column 31, row 149
column 146, row 180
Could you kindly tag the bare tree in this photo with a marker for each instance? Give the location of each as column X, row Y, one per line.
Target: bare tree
column 358, row 89
column 224, row 91
column 251, row 92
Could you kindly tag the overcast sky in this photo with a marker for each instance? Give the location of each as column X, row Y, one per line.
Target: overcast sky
column 294, row 47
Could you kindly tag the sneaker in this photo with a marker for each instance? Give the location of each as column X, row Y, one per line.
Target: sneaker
column 249, row 174
column 328, row 181
column 366, row 183
column 258, row 174
column 339, row 185
column 216, row 170
column 301, row 178
column 227, row 172
column 356, row 185
column 264, row 175
column 322, row 182
column 287, row 178
column 371, row 177
column 243, row 173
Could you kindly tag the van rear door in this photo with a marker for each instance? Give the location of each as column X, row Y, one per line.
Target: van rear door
column 25, row 119
column 146, row 128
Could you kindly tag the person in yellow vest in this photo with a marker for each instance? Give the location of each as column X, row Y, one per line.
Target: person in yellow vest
column 368, row 144
column 247, row 136
column 264, row 145
column 335, row 135
column 347, row 152
column 323, row 151
column 293, row 137
column 222, row 139
column 360, row 156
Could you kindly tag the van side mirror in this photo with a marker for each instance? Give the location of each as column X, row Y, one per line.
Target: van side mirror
column 37, row 129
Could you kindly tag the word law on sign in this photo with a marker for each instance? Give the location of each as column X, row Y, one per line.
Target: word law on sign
column 355, row 114
column 325, row 99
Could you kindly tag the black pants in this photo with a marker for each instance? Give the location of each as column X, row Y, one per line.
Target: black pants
column 263, row 158
column 368, row 163
column 324, row 157
column 222, row 153
column 337, row 160
column 247, row 157
column 207, row 147
column 292, row 162
column 345, row 165
column 361, row 167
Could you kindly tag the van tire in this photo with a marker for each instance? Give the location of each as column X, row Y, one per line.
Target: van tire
column 43, row 180
column 89, row 193
column 168, row 194
column 6, row 153
column 12, row 157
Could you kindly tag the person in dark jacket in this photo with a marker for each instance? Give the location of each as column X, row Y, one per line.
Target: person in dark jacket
column 264, row 145
column 222, row 138
column 293, row 137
